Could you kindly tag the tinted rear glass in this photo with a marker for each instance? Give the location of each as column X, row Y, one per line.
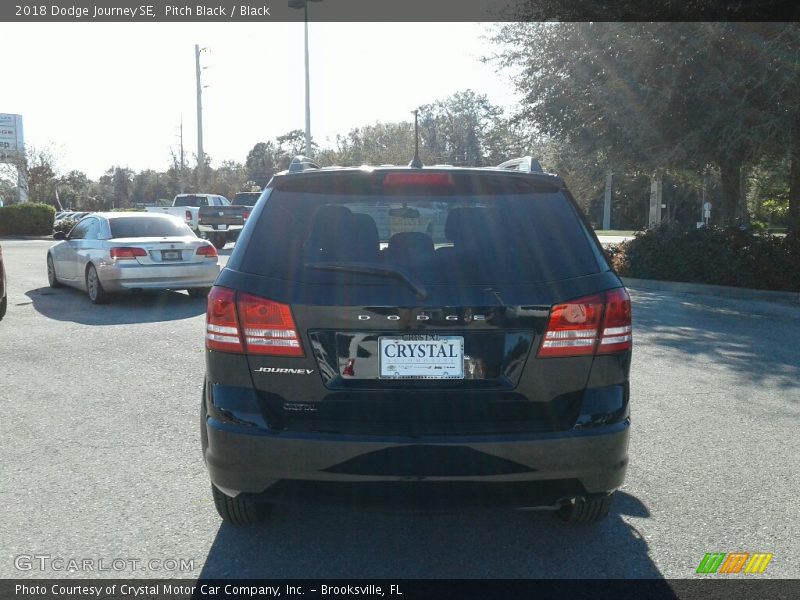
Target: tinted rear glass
column 191, row 201
column 467, row 233
column 128, row 227
column 246, row 198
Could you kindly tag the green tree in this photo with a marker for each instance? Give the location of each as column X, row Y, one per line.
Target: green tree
column 148, row 186
column 117, row 185
column 38, row 176
column 651, row 96
column 381, row 143
column 229, row 178
column 462, row 130
column 260, row 163
column 73, row 189
column 292, row 143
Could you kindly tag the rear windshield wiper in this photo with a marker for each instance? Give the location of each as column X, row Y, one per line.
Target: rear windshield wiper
column 373, row 269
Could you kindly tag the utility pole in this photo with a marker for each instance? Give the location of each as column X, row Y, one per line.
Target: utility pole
column 607, row 200
column 308, row 88
column 416, row 162
column 298, row 4
column 181, row 175
column 656, row 195
column 200, row 154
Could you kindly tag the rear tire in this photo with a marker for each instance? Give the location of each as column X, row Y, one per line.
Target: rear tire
column 238, row 511
column 94, row 288
column 3, row 307
column 199, row 292
column 51, row 273
column 583, row 511
column 219, row 241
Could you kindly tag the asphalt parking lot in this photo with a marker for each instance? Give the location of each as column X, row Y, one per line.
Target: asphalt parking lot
column 101, row 454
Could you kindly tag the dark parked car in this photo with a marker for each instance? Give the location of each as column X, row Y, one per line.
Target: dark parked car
column 418, row 336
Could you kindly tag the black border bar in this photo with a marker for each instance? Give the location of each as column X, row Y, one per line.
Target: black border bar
column 187, row 11
column 400, row 589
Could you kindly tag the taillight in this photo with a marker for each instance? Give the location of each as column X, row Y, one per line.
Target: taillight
column 245, row 215
column 188, row 215
column 127, row 253
column 222, row 326
column 600, row 323
column 397, row 178
column 572, row 327
column 268, row 327
column 207, row 251
column 616, row 335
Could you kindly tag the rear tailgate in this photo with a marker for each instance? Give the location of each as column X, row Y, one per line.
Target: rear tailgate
column 222, row 218
column 347, row 379
column 440, row 334
column 164, row 251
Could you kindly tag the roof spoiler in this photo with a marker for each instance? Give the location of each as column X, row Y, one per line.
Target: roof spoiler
column 302, row 163
column 526, row 164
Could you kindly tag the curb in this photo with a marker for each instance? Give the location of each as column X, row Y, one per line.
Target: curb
column 712, row 290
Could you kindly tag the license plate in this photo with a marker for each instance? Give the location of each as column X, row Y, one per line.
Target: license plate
column 222, row 226
column 422, row 357
column 170, row 255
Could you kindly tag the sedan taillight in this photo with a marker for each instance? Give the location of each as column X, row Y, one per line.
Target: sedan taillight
column 598, row 324
column 124, row 253
column 207, row 251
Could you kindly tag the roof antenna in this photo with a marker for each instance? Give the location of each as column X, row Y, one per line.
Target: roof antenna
column 416, row 162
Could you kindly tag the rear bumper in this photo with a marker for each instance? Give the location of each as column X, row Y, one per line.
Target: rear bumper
column 117, row 278
column 215, row 228
column 522, row 470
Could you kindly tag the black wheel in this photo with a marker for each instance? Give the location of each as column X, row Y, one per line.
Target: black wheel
column 3, row 307
column 586, row 510
column 51, row 273
column 219, row 241
column 199, row 292
column 94, row 288
column 238, row 511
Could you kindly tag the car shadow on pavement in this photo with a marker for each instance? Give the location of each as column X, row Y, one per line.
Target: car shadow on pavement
column 755, row 340
column 344, row 542
column 69, row 304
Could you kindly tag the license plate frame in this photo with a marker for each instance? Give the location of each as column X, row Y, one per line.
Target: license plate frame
column 221, row 227
column 171, row 255
column 446, row 364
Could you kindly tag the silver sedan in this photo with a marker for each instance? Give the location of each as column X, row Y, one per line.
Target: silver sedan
column 107, row 253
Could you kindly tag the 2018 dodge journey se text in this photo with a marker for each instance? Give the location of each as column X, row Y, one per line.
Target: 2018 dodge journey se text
column 417, row 335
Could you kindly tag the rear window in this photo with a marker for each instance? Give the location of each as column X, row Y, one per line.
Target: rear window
column 467, row 233
column 133, row 227
column 190, row 200
column 246, row 198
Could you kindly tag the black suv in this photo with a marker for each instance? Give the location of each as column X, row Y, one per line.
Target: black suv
column 417, row 335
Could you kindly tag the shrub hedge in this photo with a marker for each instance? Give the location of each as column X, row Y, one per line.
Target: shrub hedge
column 27, row 219
column 711, row 255
column 65, row 225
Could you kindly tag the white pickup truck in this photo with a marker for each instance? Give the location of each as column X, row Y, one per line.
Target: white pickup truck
column 187, row 207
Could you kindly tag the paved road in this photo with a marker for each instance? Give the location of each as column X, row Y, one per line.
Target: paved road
column 100, row 459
